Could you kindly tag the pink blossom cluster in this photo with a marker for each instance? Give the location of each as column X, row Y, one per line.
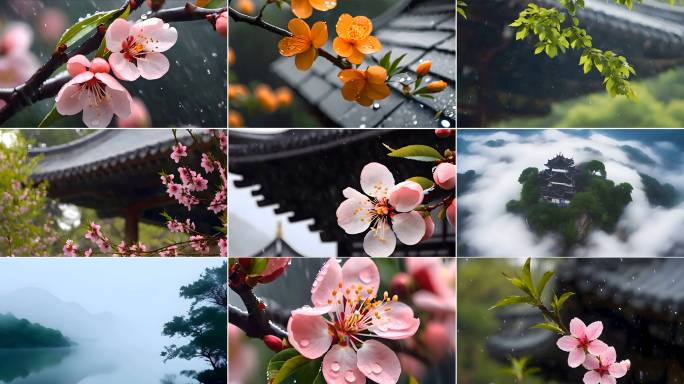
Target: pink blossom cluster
column 17, row 63
column 136, row 51
column 587, row 350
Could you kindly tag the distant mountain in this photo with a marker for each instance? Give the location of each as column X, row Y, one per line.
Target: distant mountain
column 71, row 319
column 20, row 333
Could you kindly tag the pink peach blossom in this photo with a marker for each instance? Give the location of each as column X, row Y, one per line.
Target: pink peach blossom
column 583, row 340
column 70, row 249
column 429, row 227
column 94, row 91
column 445, row 175
column 17, row 63
column 88, row 252
column 139, row 117
column 242, row 357
column 222, row 24
column 603, row 368
column 136, row 48
column 347, row 295
column 179, row 151
column 388, row 210
column 451, row 213
column 52, row 22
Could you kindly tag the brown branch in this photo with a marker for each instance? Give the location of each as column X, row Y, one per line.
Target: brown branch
column 40, row 86
column 257, row 321
column 258, row 22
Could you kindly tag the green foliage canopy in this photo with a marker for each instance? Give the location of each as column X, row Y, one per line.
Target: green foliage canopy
column 20, row 333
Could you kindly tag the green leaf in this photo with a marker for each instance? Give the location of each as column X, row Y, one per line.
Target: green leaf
column 417, row 152
column 542, row 283
column 50, row 118
column 512, row 300
column 413, row 380
column 384, row 62
column 564, row 297
column 278, row 360
column 319, row 379
column 527, row 275
column 289, row 367
column 549, row 327
column 422, row 181
column 395, row 64
column 79, row 30
column 213, row 3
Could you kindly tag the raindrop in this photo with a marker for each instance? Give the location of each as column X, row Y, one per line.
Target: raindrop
column 214, row 54
column 362, row 126
column 335, row 367
column 350, row 377
column 208, row 71
column 376, row 106
column 377, row 369
column 304, row 343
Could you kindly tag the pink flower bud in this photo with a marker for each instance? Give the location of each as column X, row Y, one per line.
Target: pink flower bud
column 274, row 343
column 433, row 337
column 222, row 25
column 451, row 213
column 139, row 117
column 99, row 65
column 445, row 175
column 444, row 132
column 429, row 227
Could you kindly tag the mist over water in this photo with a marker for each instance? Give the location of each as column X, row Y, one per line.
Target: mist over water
column 113, row 311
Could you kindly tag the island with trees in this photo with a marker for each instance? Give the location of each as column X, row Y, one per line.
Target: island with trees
column 570, row 200
column 18, row 333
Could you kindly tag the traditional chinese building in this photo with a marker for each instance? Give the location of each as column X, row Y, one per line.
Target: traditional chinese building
column 303, row 172
column 419, row 29
column 639, row 301
column 499, row 77
column 557, row 181
column 116, row 172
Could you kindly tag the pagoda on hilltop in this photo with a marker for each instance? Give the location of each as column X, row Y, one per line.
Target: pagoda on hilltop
column 557, row 181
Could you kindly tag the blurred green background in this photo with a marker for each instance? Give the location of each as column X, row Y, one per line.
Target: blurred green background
column 255, row 49
column 192, row 93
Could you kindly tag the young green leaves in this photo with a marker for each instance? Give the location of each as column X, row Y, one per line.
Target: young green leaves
column 534, row 296
column 520, row 369
column 554, row 37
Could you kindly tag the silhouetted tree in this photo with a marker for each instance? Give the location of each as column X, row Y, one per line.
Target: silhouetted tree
column 205, row 324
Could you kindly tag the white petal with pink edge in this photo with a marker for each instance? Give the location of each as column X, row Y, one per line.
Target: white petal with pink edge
column 360, row 272
column 378, row 362
column 153, row 66
column 395, row 321
column 68, row 100
column 409, row 227
column 406, row 196
column 160, row 39
column 328, row 279
column 122, row 68
column 353, row 215
column 96, row 114
column 308, row 334
column 116, row 34
column 376, row 180
column 340, row 366
column 379, row 242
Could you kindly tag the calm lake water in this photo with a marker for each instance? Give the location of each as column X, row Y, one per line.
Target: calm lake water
column 90, row 364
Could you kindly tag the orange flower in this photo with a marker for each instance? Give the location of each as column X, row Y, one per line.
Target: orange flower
column 424, row 68
column 284, row 96
column 304, row 8
column 436, row 86
column 245, row 6
column 268, row 100
column 231, row 57
column 236, row 91
column 355, row 41
column 304, row 43
column 364, row 86
column 235, row 119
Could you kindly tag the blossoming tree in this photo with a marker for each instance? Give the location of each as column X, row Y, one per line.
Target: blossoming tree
column 401, row 210
column 580, row 340
column 362, row 84
column 350, row 333
column 191, row 190
column 129, row 50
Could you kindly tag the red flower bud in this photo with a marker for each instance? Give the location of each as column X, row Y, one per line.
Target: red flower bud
column 274, row 343
column 444, row 132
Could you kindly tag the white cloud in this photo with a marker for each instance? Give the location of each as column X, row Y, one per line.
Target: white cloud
column 643, row 230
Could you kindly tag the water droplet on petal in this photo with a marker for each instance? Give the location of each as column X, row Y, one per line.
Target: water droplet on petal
column 365, row 276
column 304, row 343
column 377, row 369
column 335, row 367
column 350, row 377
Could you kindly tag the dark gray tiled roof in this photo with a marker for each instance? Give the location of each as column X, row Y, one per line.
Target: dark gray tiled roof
column 424, row 30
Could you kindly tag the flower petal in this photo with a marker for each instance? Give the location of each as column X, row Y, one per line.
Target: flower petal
column 328, row 280
column 299, row 27
column 378, row 362
column 343, row 25
column 591, row 362
column 153, row 66
column 347, row 75
column 68, row 100
column 597, row 347
column 376, row 180
column 608, row 379
column 353, row 215
column 356, row 57
column 319, row 34
column 122, row 68
column 409, row 227
column 608, row 356
column 116, row 34
column 96, row 115
column 304, row 60
column 290, row 46
column 567, row 343
column 406, row 196
column 301, row 8
column 394, row 321
column 342, row 48
column 323, row 5
column 339, row 366
column 160, row 38
column 377, row 91
column 445, row 177
column 592, row 377
column 577, row 328
column 619, row 369
column 77, row 65
column 376, row 74
column 362, row 275
column 380, row 242
column 368, row 45
column 594, row 330
column 351, row 193
column 352, row 89
column 308, row 334
column 122, row 103
column 576, row 357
